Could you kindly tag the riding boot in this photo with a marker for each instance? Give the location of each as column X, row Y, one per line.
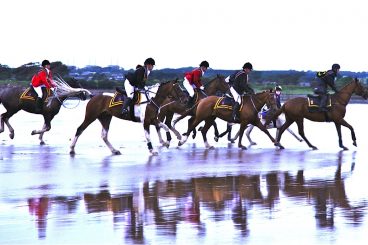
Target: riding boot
column 323, row 102
column 126, row 103
column 235, row 116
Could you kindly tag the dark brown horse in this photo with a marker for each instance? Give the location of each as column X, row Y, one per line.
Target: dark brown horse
column 210, row 108
column 296, row 110
column 103, row 107
column 216, row 86
column 15, row 99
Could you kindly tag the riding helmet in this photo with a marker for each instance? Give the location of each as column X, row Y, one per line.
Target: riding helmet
column 278, row 88
column 149, row 61
column 205, row 64
column 45, row 62
column 335, row 67
column 248, row 66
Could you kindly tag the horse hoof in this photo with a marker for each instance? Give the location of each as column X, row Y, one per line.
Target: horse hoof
column 253, row 143
column 154, row 153
column 243, row 147
column 314, row 148
column 232, row 141
column 345, row 148
column 354, row 144
column 42, row 143
column 72, row 153
column 33, row 132
column 116, row 152
column 11, row 136
column 216, row 139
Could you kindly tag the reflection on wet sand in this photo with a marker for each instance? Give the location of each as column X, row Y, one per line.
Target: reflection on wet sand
column 169, row 205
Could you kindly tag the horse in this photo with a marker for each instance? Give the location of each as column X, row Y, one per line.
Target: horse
column 19, row 98
column 212, row 107
column 104, row 107
column 296, row 110
column 213, row 87
column 279, row 121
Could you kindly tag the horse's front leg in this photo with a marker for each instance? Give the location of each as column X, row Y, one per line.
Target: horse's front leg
column 148, row 138
column 41, row 137
column 264, row 130
column 208, row 123
column 168, row 135
column 346, row 124
column 338, row 128
column 243, row 126
column 247, row 133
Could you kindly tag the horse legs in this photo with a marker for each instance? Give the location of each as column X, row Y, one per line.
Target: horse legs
column 264, row 130
column 105, row 122
column 247, row 133
column 168, row 121
column 191, row 126
column 346, row 124
column 301, row 133
column 243, row 126
column 6, row 121
column 208, row 123
column 160, row 125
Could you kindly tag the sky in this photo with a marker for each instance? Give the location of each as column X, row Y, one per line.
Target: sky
column 271, row 34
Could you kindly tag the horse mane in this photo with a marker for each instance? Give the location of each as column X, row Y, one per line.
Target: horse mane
column 64, row 89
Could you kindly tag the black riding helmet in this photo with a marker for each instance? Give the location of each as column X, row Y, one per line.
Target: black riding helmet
column 205, row 64
column 248, row 66
column 45, row 62
column 335, row 67
column 278, row 88
column 149, row 61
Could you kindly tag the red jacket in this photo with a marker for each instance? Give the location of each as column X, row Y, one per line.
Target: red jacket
column 42, row 78
column 194, row 77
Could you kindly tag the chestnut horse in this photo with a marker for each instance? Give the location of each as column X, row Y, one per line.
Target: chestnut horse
column 207, row 110
column 216, row 86
column 15, row 99
column 296, row 110
column 101, row 107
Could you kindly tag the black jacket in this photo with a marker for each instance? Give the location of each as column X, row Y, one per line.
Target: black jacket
column 328, row 80
column 138, row 77
column 239, row 81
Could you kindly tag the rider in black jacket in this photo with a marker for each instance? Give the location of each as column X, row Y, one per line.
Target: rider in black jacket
column 327, row 80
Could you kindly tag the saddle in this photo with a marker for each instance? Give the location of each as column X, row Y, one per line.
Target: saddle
column 314, row 101
column 120, row 95
column 30, row 94
column 226, row 102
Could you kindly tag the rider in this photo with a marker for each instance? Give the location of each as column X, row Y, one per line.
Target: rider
column 41, row 81
column 136, row 80
column 278, row 90
column 239, row 85
column 326, row 79
column 192, row 80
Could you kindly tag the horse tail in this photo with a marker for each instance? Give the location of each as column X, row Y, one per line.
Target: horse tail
column 273, row 116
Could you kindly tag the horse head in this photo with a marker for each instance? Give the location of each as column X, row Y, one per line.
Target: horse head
column 359, row 89
column 170, row 89
column 218, row 84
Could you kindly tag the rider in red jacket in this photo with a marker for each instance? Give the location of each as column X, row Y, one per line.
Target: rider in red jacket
column 192, row 80
column 42, row 80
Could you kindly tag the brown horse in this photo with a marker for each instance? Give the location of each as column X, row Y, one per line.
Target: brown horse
column 209, row 108
column 15, row 99
column 296, row 110
column 216, row 86
column 103, row 108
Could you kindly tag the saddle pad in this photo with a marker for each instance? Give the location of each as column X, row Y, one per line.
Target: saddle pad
column 118, row 99
column 28, row 94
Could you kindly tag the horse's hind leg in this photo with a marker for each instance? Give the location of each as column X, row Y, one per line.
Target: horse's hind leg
column 301, row 133
column 105, row 121
column 11, row 130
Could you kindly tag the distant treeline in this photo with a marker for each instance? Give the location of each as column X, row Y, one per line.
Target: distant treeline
column 96, row 77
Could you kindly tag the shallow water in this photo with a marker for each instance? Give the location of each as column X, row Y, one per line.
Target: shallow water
column 186, row 195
